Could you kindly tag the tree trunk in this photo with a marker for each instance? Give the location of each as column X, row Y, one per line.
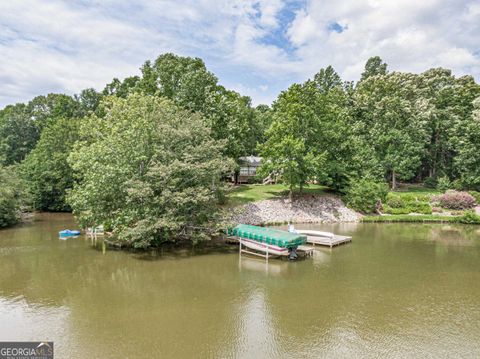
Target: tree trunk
column 290, row 195
column 394, row 180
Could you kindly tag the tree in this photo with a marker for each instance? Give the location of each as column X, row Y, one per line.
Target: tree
column 122, row 88
column 149, row 171
column 11, row 197
column 374, row 67
column 314, row 119
column 89, row 100
column 46, row 170
column 467, row 161
column 18, row 133
column 21, row 124
column 185, row 80
column 232, row 118
column 391, row 116
column 289, row 150
column 188, row 83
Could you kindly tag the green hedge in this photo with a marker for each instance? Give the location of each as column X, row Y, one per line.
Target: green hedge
column 469, row 217
column 406, row 204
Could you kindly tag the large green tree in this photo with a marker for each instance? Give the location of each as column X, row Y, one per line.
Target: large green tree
column 46, row 170
column 393, row 119
column 11, row 196
column 149, row 171
column 374, row 66
column 22, row 124
column 290, row 151
column 467, row 161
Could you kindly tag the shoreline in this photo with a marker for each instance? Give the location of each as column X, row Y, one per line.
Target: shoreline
column 307, row 208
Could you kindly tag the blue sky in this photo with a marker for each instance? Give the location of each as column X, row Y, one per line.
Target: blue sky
column 258, row 48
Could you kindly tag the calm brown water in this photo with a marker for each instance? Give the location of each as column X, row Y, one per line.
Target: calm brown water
column 396, row 291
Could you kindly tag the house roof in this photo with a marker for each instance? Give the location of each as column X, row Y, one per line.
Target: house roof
column 251, row 160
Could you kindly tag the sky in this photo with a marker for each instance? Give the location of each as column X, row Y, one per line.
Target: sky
column 256, row 47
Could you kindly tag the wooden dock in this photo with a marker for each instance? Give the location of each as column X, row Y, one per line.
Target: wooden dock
column 328, row 242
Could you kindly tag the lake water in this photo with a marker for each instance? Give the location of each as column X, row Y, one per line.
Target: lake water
column 397, row 291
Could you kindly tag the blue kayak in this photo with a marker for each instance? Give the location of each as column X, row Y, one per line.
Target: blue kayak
column 68, row 233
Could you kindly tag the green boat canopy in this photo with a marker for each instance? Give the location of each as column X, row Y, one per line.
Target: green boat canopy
column 271, row 236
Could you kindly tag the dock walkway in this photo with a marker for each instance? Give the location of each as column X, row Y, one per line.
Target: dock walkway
column 329, row 242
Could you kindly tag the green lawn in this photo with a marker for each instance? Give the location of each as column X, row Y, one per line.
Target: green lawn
column 256, row 192
column 415, row 190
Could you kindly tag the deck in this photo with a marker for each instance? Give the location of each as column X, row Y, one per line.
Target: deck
column 328, row 242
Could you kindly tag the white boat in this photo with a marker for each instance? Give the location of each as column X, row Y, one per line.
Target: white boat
column 266, row 249
column 323, row 238
column 99, row 231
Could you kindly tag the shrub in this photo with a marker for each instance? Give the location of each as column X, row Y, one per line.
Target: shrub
column 424, row 198
column 420, row 207
column 398, row 210
column 365, row 195
column 469, row 217
column 443, row 184
column 430, row 182
column 457, row 184
column 395, row 201
column 455, row 200
column 475, row 195
column 437, row 210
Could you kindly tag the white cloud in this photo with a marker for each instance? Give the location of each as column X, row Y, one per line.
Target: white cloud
column 410, row 35
column 65, row 46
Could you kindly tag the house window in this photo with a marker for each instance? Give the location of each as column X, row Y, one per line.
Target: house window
column 252, row 171
column 243, row 171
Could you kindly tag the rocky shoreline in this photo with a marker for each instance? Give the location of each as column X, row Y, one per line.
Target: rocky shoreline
column 305, row 209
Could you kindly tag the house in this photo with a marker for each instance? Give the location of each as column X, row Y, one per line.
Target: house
column 248, row 169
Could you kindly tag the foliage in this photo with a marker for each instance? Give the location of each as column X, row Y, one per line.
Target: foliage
column 11, row 197
column 308, row 138
column 393, row 120
column 46, row 170
column 476, row 195
column 467, row 162
column 430, row 182
column 374, row 67
column 420, row 207
column 443, row 184
column 406, row 204
column 149, row 170
column 455, row 200
column 22, row 124
column 469, row 217
column 188, row 83
column 395, row 201
column 366, row 195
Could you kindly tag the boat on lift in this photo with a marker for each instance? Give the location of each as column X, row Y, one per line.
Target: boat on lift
column 267, row 242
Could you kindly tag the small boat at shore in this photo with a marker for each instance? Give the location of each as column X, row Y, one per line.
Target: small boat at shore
column 68, row 233
column 99, row 231
column 321, row 238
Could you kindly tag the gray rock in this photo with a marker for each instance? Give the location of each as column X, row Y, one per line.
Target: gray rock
column 305, row 209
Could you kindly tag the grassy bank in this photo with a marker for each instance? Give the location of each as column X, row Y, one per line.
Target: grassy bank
column 409, row 218
column 256, row 192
